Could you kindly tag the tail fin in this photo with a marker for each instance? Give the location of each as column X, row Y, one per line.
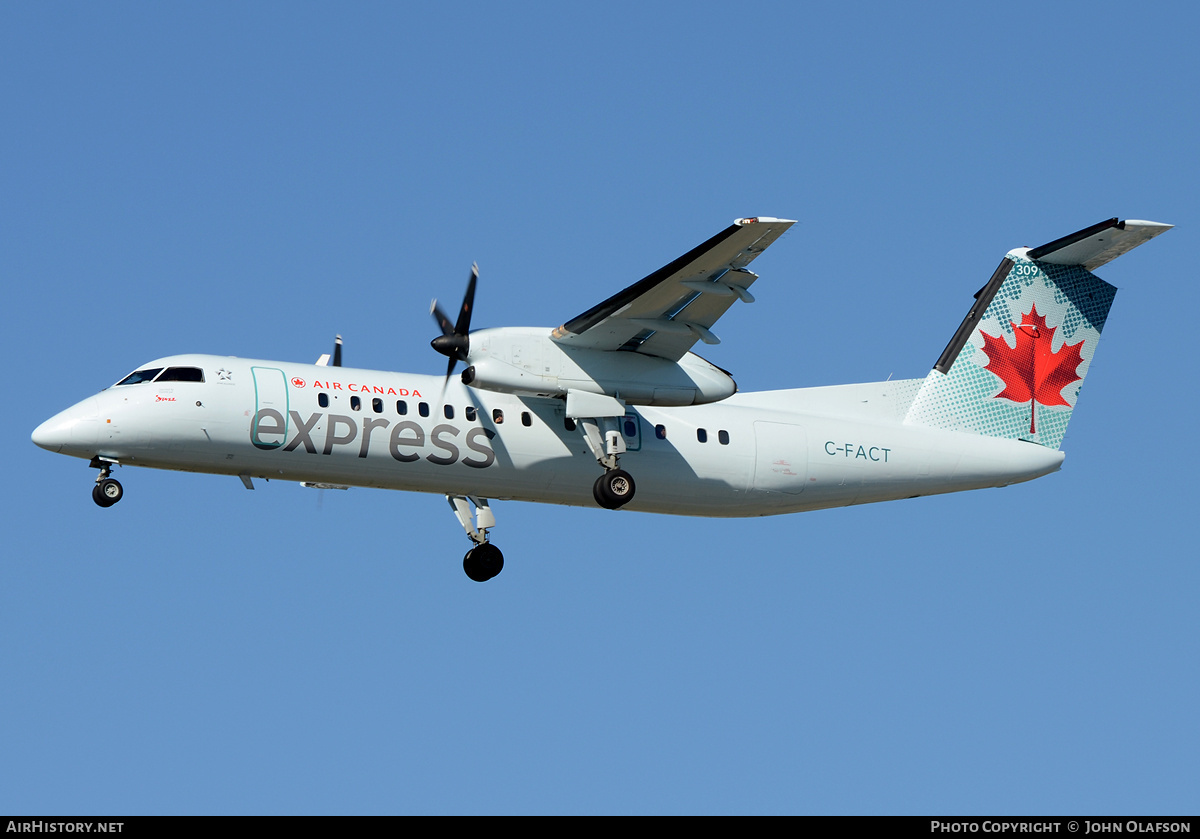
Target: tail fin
column 1015, row 366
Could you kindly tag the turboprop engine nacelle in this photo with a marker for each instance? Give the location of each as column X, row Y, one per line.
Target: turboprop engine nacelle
column 526, row 362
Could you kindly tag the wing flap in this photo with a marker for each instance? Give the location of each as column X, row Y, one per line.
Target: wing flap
column 665, row 313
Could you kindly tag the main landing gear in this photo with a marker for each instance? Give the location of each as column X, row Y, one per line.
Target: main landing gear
column 484, row 560
column 615, row 487
column 107, row 491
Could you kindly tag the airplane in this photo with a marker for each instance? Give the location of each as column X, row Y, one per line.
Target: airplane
column 556, row 415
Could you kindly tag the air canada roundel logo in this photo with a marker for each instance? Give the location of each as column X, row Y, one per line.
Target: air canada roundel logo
column 297, row 381
column 1032, row 371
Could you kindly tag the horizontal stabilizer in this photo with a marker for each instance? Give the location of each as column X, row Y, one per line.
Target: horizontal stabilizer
column 1094, row 246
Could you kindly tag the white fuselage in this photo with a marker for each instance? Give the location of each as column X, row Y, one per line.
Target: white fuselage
column 761, row 454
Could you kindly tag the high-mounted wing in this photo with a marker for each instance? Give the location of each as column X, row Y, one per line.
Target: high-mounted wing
column 665, row 313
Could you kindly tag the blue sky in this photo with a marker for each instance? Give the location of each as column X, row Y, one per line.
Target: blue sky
column 249, row 179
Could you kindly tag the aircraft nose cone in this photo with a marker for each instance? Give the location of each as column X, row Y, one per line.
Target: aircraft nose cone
column 72, row 429
column 51, row 435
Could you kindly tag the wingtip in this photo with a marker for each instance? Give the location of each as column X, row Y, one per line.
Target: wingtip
column 762, row 220
column 1153, row 225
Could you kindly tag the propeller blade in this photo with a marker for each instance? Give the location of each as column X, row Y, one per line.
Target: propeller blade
column 446, row 381
column 440, row 318
column 337, row 351
column 455, row 341
column 464, row 314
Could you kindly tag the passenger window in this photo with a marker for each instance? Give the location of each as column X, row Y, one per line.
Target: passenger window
column 568, row 423
column 377, row 405
column 355, row 403
column 497, row 416
column 448, row 411
column 401, row 407
column 182, row 374
column 630, row 428
column 140, row 376
column 701, row 435
column 723, row 438
column 423, row 408
column 526, row 420
column 323, row 400
column 660, row 431
column 470, row 412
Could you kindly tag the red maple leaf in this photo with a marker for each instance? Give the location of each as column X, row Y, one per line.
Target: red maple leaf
column 1031, row 371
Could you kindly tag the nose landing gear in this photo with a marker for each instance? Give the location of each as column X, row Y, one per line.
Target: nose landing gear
column 107, row 491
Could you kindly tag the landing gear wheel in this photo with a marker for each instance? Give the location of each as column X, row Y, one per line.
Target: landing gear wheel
column 107, row 492
column 613, row 489
column 483, row 562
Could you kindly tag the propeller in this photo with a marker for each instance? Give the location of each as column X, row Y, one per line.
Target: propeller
column 455, row 342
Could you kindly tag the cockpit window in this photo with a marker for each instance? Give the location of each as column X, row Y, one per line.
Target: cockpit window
column 140, row 376
column 182, row 374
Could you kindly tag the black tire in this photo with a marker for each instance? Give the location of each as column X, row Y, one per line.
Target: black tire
column 99, row 498
column 483, row 562
column 614, row 489
column 600, row 502
column 111, row 489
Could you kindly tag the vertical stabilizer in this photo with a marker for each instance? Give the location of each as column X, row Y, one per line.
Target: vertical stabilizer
column 1016, row 365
